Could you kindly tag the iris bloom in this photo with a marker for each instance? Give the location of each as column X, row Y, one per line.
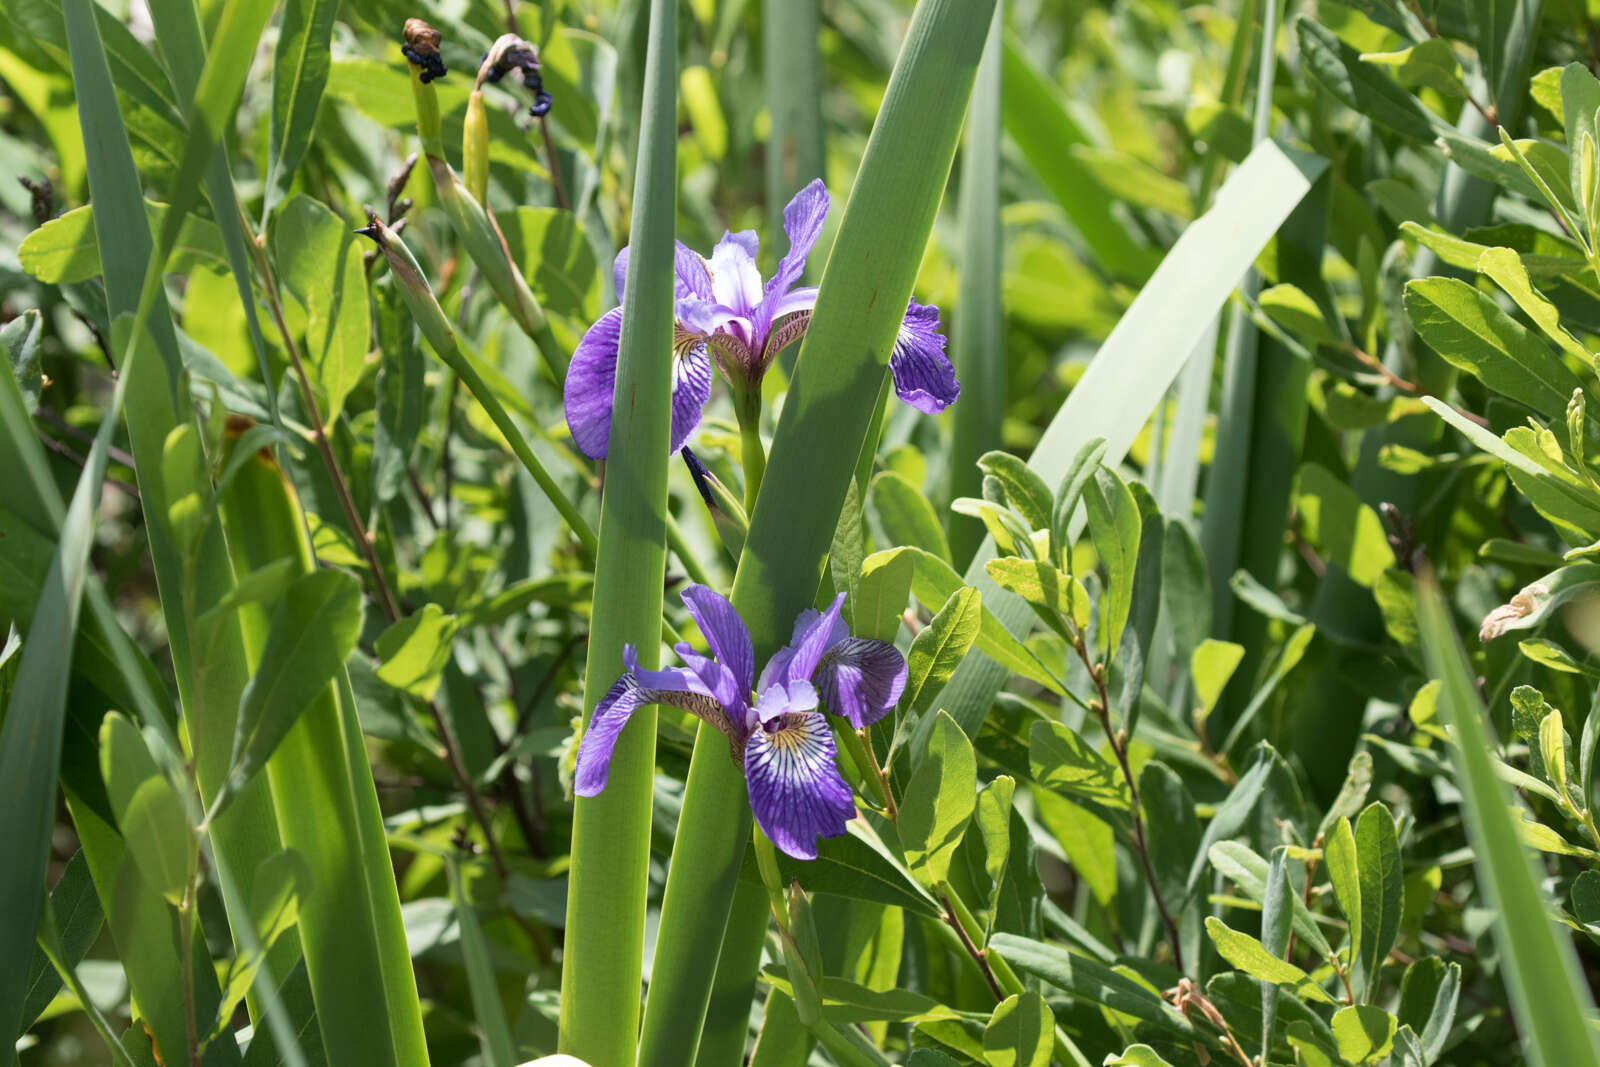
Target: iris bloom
column 777, row 731
column 725, row 313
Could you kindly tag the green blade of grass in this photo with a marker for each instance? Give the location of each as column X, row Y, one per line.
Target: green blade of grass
column 979, row 341
column 865, row 288
column 30, row 740
column 1227, row 487
column 1134, row 366
column 494, row 1034
column 210, row 677
column 326, row 807
column 791, row 57
column 1042, row 128
column 1548, row 993
column 604, row 946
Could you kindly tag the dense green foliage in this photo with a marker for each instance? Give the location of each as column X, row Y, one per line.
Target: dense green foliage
column 1247, row 597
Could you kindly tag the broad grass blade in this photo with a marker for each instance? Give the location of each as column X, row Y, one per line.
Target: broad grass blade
column 830, row 405
column 978, row 346
column 1548, row 993
column 611, row 832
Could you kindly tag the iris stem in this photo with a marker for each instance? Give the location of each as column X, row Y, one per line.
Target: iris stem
column 753, row 456
column 767, row 861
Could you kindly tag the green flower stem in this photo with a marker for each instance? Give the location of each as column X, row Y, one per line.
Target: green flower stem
column 442, row 337
column 767, row 863
column 480, row 235
column 752, row 453
column 604, row 948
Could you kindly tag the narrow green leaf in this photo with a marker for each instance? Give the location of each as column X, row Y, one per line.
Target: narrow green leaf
column 75, row 911
column 1021, row 1032
column 1043, row 130
column 939, row 802
column 604, row 947
column 1361, row 87
column 300, row 66
column 313, row 631
column 1365, row 1034
column 1172, row 830
column 1061, row 760
column 414, row 651
column 994, row 824
column 941, row 645
column 1027, row 493
column 901, row 515
column 319, row 262
column 1114, row 526
column 1252, row 957
column 494, row 1033
column 1091, row 980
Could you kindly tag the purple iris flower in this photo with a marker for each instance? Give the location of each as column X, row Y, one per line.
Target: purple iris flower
column 726, row 313
column 776, row 730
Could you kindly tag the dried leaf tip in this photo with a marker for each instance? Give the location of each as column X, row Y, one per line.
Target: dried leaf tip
column 420, row 45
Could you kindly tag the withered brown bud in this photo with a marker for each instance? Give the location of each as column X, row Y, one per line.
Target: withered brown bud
column 421, row 48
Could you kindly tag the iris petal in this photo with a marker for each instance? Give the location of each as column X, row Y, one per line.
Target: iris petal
column 691, row 388
column 802, row 221
column 795, row 788
column 860, row 679
column 619, row 273
column 781, row 699
column 693, row 279
column 734, row 277
column 814, row 633
column 638, row 688
column 725, row 632
column 923, row 374
column 591, row 378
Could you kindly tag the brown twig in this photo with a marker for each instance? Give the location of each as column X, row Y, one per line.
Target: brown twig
column 364, row 541
column 979, row 956
column 557, row 188
column 1101, row 707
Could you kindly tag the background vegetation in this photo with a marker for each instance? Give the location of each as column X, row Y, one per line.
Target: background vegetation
column 1274, row 325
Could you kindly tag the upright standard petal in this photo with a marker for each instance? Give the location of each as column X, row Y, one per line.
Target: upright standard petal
column 724, row 631
column 795, row 788
column 860, row 679
column 691, row 388
column 814, row 633
column 734, row 278
column 591, row 379
column 802, row 221
column 638, row 688
column 923, row 374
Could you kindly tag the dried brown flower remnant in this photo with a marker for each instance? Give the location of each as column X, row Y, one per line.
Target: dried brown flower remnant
column 1522, row 605
column 511, row 53
column 421, row 48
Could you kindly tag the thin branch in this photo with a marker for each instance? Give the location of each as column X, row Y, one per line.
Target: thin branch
column 979, row 956
column 1101, row 707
